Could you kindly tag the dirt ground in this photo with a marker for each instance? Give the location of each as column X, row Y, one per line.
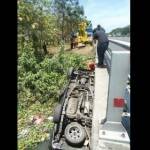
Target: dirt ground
column 87, row 50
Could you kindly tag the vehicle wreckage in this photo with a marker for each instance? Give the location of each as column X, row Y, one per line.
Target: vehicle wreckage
column 73, row 115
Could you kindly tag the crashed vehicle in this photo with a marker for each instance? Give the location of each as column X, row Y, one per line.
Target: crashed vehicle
column 73, row 115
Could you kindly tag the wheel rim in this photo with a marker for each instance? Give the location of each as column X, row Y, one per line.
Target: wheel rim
column 75, row 133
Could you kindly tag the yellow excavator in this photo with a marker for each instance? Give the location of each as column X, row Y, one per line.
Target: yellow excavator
column 83, row 36
column 85, row 33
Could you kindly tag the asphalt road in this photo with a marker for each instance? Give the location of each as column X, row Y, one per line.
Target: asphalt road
column 114, row 46
column 126, row 39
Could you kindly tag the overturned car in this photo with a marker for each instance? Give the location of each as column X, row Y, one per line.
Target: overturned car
column 73, row 115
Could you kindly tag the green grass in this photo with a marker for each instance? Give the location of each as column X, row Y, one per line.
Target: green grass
column 39, row 83
column 37, row 133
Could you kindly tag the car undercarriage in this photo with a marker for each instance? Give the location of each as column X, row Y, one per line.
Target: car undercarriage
column 73, row 115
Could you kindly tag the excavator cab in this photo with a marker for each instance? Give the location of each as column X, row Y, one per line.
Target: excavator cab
column 82, row 37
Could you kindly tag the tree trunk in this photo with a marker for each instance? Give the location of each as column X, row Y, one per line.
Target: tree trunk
column 62, row 26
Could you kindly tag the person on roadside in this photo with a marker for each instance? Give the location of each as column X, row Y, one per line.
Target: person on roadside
column 73, row 40
column 102, row 44
column 76, row 40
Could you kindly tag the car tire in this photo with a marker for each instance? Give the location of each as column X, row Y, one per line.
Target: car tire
column 57, row 113
column 62, row 95
column 75, row 134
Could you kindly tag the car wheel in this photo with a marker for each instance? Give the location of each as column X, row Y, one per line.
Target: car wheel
column 75, row 134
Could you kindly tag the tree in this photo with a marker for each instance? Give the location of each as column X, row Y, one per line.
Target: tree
column 35, row 22
column 69, row 14
column 121, row 31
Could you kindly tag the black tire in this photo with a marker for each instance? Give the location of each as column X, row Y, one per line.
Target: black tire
column 62, row 95
column 57, row 113
column 75, row 134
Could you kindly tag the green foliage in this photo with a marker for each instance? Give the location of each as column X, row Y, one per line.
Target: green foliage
column 36, row 23
column 42, row 21
column 39, row 84
column 41, row 76
column 69, row 14
column 36, row 133
column 39, row 81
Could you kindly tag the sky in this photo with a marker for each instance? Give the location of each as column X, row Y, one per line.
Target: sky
column 110, row 14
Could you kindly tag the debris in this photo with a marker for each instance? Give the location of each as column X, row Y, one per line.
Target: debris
column 91, row 65
column 86, row 142
column 23, row 133
column 42, row 139
column 50, row 118
column 38, row 119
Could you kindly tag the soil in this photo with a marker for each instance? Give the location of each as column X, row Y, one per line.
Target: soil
column 87, row 50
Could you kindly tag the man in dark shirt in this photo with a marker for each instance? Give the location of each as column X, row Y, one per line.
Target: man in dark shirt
column 102, row 45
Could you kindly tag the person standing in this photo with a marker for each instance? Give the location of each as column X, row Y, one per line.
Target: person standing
column 102, row 45
column 72, row 40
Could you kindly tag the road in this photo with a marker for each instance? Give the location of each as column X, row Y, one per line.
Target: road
column 126, row 39
column 118, row 47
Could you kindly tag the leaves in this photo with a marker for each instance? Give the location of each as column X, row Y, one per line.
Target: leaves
column 41, row 76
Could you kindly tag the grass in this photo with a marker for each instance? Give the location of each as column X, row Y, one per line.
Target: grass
column 36, row 133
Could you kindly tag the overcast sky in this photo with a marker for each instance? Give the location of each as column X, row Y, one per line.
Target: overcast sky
column 108, row 13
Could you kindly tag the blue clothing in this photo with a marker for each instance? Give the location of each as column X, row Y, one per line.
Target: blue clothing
column 101, row 48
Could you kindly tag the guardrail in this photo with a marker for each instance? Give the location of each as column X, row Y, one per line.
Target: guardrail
column 110, row 132
column 118, row 66
column 108, row 60
column 108, row 53
column 121, row 43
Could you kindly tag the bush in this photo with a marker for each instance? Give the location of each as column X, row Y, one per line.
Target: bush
column 42, row 80
column 39, row 83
